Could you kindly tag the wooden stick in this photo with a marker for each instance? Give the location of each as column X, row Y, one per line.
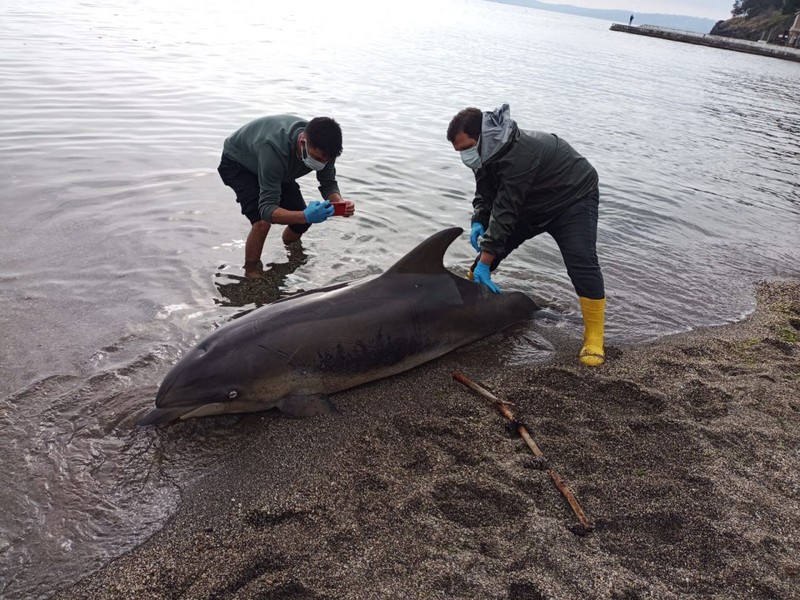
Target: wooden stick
column 585, row 525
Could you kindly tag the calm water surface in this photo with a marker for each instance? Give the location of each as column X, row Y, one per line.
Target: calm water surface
column 120, row 246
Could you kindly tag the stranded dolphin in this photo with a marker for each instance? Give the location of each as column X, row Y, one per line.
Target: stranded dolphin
column 294, row 352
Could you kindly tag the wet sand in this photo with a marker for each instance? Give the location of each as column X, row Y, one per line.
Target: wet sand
column 684, row 452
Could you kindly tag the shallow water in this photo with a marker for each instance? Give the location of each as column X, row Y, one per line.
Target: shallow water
column 121, row 246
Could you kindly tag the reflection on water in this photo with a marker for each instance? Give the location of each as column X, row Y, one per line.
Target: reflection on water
column 270, row 286
column 114, row 221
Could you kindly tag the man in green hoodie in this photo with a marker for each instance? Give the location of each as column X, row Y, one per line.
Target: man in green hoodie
column 261, row 161
column 528, row 183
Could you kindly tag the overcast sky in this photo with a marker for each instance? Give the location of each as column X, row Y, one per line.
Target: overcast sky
column 711, row 9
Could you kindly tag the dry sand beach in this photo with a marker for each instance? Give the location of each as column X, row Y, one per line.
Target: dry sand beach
column 684, row 452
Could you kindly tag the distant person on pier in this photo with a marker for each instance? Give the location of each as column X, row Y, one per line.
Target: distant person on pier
column 528, row 183
column 630, row 21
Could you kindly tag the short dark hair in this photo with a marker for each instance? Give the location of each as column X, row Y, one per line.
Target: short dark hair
column 469, row 121
column 325, row 134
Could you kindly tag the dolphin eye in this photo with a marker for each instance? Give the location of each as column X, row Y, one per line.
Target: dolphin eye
column 232, row 394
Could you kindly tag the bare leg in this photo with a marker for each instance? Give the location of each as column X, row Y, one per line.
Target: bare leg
column 289, row 236
column 253, row 248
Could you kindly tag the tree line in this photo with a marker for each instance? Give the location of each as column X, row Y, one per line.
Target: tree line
column 754, row 8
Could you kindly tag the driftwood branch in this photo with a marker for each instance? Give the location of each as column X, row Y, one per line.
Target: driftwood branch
column 585, row 525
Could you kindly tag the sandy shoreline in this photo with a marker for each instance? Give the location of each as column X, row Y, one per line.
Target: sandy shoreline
column 684, row 452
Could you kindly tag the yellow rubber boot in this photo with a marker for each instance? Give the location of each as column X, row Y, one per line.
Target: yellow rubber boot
column 594, row 314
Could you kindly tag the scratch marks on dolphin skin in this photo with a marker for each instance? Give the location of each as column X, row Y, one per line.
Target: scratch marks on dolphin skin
column 380, row 351
column 258, row 326
column 290, row 359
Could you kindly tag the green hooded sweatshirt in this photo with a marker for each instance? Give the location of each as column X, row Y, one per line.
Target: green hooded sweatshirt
column 268, row 148
column 526, row 178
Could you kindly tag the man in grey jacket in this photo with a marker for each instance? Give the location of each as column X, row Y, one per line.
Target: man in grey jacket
column 528, row 183
column 261, row 161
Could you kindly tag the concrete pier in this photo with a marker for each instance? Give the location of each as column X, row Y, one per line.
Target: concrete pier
column 714, row 41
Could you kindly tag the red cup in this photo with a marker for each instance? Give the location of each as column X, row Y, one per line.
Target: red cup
column 338, row 208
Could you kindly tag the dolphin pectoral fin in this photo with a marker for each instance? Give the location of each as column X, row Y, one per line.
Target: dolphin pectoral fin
column 307, row 406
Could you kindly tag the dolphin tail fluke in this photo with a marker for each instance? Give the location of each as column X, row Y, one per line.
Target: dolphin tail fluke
column 307, row 406
column 162, row 416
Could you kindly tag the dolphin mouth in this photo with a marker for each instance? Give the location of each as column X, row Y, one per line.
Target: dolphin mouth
column 159, row 417
column 165, row 416
column 175, row 401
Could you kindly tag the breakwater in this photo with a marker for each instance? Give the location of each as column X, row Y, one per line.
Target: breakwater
column 715, row 41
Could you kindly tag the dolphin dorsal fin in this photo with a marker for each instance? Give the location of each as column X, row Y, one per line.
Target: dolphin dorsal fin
column 428, row 257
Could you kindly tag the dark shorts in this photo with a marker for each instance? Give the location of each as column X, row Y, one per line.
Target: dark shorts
column 245, row 183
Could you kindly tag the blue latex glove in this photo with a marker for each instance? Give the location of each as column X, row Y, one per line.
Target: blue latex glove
column 317, row 212
column 482, row 275
column 477, row 231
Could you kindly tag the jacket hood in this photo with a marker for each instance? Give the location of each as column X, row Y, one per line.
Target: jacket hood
column 496, row 129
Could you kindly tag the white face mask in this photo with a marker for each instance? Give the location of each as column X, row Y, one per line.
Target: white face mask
column 311, row 162
column 471, row 157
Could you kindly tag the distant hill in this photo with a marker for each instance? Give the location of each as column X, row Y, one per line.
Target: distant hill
column 681, row 22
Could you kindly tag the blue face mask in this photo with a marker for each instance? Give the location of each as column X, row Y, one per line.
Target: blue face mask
column 471, row 157
column 309, row 161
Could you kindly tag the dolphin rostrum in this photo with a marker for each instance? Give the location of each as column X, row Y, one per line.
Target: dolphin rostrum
column 294, row 352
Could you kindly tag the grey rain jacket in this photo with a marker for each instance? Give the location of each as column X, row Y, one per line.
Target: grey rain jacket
column 526, row 179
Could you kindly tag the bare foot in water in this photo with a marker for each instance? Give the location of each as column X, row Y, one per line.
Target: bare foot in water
column 253, row 269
